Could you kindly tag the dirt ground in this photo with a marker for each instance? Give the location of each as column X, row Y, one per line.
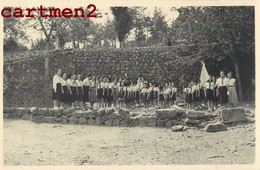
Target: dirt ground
column 28, row 143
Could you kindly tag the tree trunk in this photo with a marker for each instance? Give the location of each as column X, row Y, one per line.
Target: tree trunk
column 46, row 77
column 239, row 83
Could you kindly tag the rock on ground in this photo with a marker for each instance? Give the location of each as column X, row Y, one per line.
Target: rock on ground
column 215, row 127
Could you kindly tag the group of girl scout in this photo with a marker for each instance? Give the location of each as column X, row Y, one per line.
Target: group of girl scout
column 73, row 90
column 215, row 92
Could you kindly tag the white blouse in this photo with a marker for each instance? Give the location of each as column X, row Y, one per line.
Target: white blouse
column 208, row 85
column 91, row 83
column 63, row 82
column 156, row 89
column 194, row 87
column 188, row 90
column 144, row 90
column 56, row 80
column 174, row 89
column 232, row 82
column 222, row 82
column 79, row 83
column 86, row 82
column 71, row 83
column 167, row 91
column 111, row 85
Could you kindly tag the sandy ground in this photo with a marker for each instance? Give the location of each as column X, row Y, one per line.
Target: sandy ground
column 28, row 143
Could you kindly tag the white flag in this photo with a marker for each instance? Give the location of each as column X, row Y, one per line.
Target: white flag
column 204, row 76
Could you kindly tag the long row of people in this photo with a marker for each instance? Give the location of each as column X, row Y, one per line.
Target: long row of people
column 73, row 90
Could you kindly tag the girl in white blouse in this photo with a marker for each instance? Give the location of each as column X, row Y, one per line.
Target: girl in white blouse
column 232, row 93
column 73, row 89
column 110, row 93
column 79, row 99
column 65, row 91
column 57, row 89
column 209, row 93
column 173, row 93
column 92, row 91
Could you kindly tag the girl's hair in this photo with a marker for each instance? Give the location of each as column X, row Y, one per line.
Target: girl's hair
column 57, row 70
column 63, row 74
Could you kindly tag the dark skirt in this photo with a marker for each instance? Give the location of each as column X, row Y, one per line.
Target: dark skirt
column 100, row 94
column 188, row 97
column 151, row 95
column 58, row 94
column 161, row 97
column 215, row 98
column 121, row 95
column 105, row 94
column 209, row 94
column 65, row 94
column 86, row 93
column 137, row 96
column 92, row 94
column 202, row 94
column 109, row 95
column 195, row 96
column 80, row 94
column 73, row 94
column 173, row 96
column 144, row 96
column 115, row 94
column 223, row 97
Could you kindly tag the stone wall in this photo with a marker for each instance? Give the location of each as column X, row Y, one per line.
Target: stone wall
column 109, row 117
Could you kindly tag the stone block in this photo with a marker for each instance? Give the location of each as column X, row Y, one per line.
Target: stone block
column 99, row 120
column 28, row 116
column 215, row 127
column 193, row 122
column 78, row 114
column 82, row 121
column 160, row 123
column 113, row 116
column 177, row 128
column 122, row 111
column 134, row 122
column 101, row 112
column 58, row 113
column 166, row 113
column 109, row 111
column 88, row 115
column 64, row 119
column 57, row 119
column 48, row 119
column 34, row 110
column 37, row 118
column 109, row 122
column 6, row 115
column 169, row 124
column 116, row 122
column 143, row 121
column 195, row 114
column 232, row 115
column 125, row 122
column 91, row 121
column 151, row 122
column 9, row 110
column 73, row 120
column 19, row 111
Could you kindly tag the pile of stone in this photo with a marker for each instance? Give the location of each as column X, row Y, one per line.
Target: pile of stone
column 176, row 118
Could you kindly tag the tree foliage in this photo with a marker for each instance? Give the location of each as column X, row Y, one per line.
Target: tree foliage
column 123, row 22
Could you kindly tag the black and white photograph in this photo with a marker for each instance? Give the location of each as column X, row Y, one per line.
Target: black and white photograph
column 90, row 84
